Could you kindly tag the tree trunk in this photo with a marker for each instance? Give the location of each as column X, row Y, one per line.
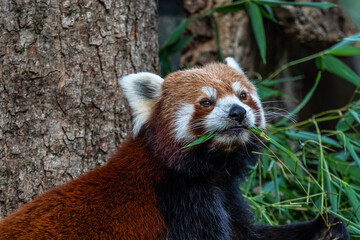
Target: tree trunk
column 61, row 110
column 305, row 30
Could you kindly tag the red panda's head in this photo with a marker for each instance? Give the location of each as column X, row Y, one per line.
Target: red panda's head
column 215, row 98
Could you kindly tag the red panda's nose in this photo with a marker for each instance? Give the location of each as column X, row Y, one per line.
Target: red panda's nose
column 237, row 113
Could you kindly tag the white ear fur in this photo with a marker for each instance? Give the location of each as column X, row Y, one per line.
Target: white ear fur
column 142, row 90
column 232, row 63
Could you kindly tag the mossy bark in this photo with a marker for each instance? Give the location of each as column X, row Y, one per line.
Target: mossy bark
column 61, row 109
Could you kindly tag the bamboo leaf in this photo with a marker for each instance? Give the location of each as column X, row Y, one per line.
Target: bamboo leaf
column 266, row 11
column 351, row 149
column 353, row 38
column 321, row 166
column 164, row 62
column 179, row 45
column 354, row 230
column 330, row 188
column 319, row 63
column 337, row 67
column 258, row 28
column 344, row 51
column 344, row 123
column 292, row 161
column 301, row 4
column 346, row 41
column 344, row 167
column 218, row 45
column 179, row 30
column 354, row 201
column 353, row 224
column 249, row 183
column 202, row 138
column 265, row 93
column 276, row 183
column 259, row 132
column 231, row 8
column 304, row 136
column 355, row 115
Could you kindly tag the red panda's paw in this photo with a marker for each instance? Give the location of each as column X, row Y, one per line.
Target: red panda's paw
column 334, row 230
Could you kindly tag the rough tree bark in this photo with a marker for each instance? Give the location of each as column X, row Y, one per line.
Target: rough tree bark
column 61, row 110
column 304, row 31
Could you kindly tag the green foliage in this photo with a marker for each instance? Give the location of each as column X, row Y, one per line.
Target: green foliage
column 303, row 171
column 352, row 7
column 334, row 65
column 329, row 163
column 202, row 138
column 173, row 44
column 257, row 23
column 257, row 9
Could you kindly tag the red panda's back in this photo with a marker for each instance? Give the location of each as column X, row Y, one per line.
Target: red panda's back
column 116, row 201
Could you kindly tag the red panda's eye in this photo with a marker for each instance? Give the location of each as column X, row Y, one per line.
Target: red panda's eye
column 206, row 103
column 243, row 96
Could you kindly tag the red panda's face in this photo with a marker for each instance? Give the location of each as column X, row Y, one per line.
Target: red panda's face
column 217, row 98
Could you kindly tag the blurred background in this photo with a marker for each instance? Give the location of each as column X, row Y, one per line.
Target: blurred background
column 62, row 112
column 293, row 33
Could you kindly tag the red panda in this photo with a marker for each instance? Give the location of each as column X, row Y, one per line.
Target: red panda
column 151, row 188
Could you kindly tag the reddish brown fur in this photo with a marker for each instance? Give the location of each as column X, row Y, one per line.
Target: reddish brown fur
column 119, row 200
column 186, row 86
column 200, row 114
column 116, row 201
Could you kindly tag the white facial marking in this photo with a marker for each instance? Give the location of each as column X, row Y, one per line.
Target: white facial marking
column 210, row 92
column 218, row 119
column 182, row 122
column 236, row 86
column 256, row 99
column 232, row 63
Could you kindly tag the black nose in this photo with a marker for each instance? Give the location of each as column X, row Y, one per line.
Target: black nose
column 237, row 113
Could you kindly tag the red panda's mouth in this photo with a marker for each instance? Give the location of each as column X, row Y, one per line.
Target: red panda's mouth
column 234, row 130
column 237, row 127
column 232, row 136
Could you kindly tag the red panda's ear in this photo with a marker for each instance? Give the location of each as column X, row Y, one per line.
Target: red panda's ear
column 232, row 63
column 142, row 90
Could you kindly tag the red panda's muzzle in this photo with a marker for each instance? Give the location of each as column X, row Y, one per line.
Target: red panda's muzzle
column 237, row 113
